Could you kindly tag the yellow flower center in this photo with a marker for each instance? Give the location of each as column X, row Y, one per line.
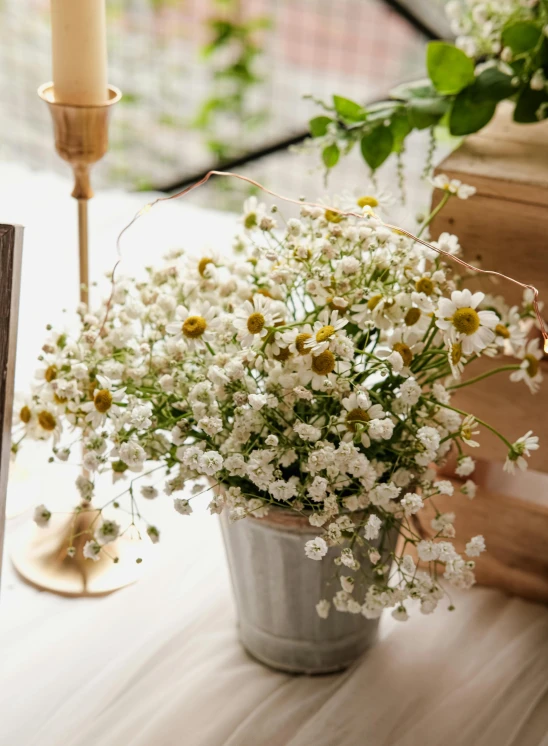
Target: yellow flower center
column 466, row 433
column 502, row 331
column 194, row 326
column 456, row 353
column 51, row 373
column 323, row 364
column 373, row 302
column 283, row 355
column 412, row 316
column 466, row 321
column 60, row 399
column 424, row 285
column 47, row 420
column 25, row 414
column 532, row 365
column 250, row 220
column 255, row 323
column 264, row 291
column 404, row 351
column 299, row 343
column 368, row 201
column 202, row 264
column 333, row 217
column 355, row 417
column 103, row 401
column 324, row 333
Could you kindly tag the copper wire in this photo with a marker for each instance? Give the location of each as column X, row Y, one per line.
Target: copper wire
column 301, row 203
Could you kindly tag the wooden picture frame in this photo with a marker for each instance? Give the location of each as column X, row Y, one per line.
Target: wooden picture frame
column 11, row 245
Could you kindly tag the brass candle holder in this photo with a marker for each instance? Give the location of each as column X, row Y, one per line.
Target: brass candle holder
column 41, row 557
column 81, row 139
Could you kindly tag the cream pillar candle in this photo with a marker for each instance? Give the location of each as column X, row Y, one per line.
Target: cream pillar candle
column 79, row 50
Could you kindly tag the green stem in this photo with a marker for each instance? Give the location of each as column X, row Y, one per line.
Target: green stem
column 480, row 422
column 446, row 197
column 489, row 373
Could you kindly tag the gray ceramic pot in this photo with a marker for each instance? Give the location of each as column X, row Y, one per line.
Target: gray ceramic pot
column 277, row 588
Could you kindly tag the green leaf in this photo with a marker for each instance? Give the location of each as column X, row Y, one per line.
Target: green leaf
column 348, row 109
column 528, row 104
column 417, row 89
column 450, row 70
column 521, row 36
column 400, row 127
column 382, row 111
column 318, row 126
column 331, row 155
column 468, row 114
column 426, row 112
column 377, row 146
column 492, row 84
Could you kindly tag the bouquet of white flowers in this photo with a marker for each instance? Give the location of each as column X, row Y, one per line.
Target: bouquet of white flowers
column 313, row 370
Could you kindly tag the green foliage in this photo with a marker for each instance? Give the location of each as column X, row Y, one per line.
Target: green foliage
column 318, row 126
column 521, row 36
column 376, row 146
column 450, row 70
column 349, row 110
column 458, row 94
column 237, row 41
column 468, row 114
column 528, row 104
column 426, row 112
column 330, row 156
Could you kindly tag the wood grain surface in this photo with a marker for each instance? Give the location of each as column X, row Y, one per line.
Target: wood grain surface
column 11, row 242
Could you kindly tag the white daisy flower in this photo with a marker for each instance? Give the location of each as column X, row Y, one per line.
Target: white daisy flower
column 324, row 329
column 45, row 423
column 458, row 318
column 529, row 371
column 455, row 357
column 467, row 431
column 453, row 186
column 520, row 449
column 254, row 211
column 105, row 402
column 356, row 417
column 404, row 345
column 379, row 310
column 371, row 199
column 253, row 320
column 196, row 326
column 321, row 371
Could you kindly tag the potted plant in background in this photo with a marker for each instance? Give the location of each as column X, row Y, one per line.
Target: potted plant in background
column 307, row 378
column 501, row 53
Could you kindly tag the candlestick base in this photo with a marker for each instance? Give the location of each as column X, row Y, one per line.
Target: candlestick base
column 41, row 558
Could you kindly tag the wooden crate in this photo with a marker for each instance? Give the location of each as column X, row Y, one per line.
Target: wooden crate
column 503, row 227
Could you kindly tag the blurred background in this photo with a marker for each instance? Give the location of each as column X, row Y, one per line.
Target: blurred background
column 212, row 83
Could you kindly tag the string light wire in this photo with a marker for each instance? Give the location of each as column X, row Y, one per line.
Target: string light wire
column 148, row 207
